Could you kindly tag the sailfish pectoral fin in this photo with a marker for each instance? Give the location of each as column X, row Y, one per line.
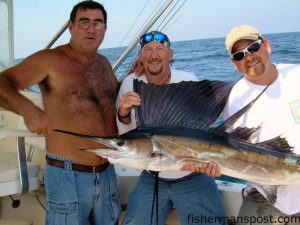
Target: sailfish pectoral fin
column 109, row 142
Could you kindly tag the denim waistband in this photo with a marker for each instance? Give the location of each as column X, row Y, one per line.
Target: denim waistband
column 68, row 162
column 53, row 156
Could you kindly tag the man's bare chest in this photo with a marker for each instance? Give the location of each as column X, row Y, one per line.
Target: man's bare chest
column 80, row 89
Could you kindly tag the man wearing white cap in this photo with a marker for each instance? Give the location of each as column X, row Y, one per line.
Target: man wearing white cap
column 276, row 112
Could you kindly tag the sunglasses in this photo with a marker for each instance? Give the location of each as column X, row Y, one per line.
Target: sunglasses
column 155, row 37
column 253, row 47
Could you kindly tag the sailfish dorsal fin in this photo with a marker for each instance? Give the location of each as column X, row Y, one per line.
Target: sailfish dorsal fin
column 186, row 104
column 278, row 144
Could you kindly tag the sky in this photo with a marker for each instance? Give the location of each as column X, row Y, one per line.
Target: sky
column 36, row 22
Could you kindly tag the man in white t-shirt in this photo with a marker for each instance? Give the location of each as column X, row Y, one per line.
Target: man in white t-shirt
column 192, row 190
column 276, row 112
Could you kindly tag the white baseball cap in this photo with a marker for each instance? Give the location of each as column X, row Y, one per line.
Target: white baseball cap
column 239, row 33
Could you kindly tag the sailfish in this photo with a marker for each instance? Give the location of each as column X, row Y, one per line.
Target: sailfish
column 181, row 122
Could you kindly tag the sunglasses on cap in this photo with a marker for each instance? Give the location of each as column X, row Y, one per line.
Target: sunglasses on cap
column 155, row 37
column 253, row 47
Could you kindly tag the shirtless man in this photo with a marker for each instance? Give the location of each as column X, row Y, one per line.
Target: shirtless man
column 79, row 91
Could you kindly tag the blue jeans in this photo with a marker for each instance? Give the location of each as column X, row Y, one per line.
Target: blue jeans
column 73, row 198
column 193, row 196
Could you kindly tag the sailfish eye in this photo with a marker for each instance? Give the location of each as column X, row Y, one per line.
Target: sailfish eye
column 120, row 142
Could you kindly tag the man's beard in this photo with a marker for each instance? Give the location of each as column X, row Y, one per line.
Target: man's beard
column 155, row 72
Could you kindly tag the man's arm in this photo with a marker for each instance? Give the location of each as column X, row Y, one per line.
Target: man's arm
column 23, row 75
column 127, row 102
column 125, row 124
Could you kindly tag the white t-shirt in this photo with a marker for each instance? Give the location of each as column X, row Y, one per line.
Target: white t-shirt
column 277, row 111
column 127, row 85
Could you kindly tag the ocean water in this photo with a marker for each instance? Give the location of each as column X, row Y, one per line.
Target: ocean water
column 208, row 58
